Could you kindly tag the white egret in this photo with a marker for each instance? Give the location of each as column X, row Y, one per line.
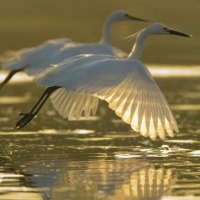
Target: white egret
column 125, row 84
column 34, row 60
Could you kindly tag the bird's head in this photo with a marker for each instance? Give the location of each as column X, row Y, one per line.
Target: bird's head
column 161, row 29
column 121, row 15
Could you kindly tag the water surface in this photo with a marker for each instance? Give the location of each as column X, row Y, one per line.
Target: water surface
column 100, row 158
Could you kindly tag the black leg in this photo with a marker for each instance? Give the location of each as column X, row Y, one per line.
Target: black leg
column 27, row 117
column 9, row 76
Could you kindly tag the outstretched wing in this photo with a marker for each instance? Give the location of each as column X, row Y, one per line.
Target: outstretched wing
column 126, row 85
column 73, row 105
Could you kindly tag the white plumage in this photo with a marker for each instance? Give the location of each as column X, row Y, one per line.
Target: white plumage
column 34, row 60
column 73, row 105
column 125, row 84
column 34, row 57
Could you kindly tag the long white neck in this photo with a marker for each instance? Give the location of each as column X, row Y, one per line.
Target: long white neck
column 107, row 36
column 138, row 47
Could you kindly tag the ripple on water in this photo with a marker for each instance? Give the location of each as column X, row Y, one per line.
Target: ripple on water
column 179, row 198
column 113, row 179
column 195, row 153
column 14, row 99
column 185, row 107
column 127, row 155
column 102, row 159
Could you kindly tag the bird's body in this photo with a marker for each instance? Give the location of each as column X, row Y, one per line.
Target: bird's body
column 55, row 51
column 34, row 57
column 73, row 49
column 37, row 59
column 125, row 84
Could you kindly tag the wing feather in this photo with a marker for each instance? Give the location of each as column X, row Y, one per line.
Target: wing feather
column 137, row 99
column 126, row 85
column 69, row 105
column 73, row 105
column 61, row 102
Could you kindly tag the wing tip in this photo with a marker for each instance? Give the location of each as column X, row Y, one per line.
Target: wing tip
column 161, row 134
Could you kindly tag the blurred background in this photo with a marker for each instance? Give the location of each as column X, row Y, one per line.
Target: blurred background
column 28, row 23
column 101, row 157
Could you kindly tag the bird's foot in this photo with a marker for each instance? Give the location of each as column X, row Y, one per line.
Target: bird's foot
column 27, row 117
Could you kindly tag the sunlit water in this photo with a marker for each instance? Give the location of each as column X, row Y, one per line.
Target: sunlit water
column 100, row 158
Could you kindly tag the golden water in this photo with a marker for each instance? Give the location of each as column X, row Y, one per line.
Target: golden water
column 100, row 158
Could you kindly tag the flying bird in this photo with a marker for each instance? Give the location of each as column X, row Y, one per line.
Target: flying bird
column 76, row 84
column 36, row 59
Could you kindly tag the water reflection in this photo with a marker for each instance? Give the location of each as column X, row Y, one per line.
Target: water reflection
column 71, row 166
column 119, row 179
column 99, row 158
column 13, row 185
